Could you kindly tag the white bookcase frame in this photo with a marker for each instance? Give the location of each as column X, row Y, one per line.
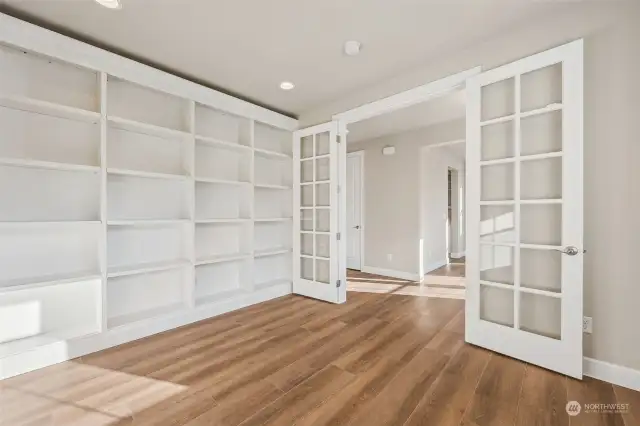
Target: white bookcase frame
column 161, row 225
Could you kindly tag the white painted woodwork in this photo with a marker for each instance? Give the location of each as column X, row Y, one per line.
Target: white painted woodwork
column 355, row 174
column 142, row 201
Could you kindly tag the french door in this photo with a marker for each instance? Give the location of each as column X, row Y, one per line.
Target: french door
column 524, row 209
column 318, row 166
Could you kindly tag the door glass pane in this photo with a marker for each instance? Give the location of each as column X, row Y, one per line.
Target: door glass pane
column 322, row 245
column 306, row 195
column 541, row 224
column 541, row 269
column 496, row 305
column 306, row 268
column 322, row 194
column 541, row 87
column 323, row 220
column 306, row 244
column 322, row 169
column 322, row 271
column 496, row 264
column 541, row 179
column 497, row 224
column 322, row 144
column 497, row 141
column 497, row 182
column 306, row 171
column 306, row 147
column 541, row 315
column 540, row 134
column 306, row 220
column 498, row 99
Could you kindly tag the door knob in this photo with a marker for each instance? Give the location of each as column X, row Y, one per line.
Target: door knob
column 357, row 227
column 569, row 250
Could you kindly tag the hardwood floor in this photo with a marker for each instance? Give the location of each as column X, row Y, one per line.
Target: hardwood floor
column 379, row 359
column 455, row 268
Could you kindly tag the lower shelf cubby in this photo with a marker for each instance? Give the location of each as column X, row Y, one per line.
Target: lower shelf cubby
column 272, row 203
column 42, row 316
column 218, row 281
column 272, row 270
column 145, row 296
column 214, row 241
column 147, row 247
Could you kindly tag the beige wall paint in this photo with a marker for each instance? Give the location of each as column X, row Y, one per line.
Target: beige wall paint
column 392, row 195
column 612, row 153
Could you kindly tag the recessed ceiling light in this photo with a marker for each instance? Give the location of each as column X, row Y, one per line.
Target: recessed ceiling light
column 287, row 85
column 352, row 48
column 111, row 4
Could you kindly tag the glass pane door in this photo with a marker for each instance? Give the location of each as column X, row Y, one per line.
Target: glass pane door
column 525, row 169
column 316, row 175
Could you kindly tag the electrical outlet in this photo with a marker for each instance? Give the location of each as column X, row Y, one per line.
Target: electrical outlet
column 587, row 325
column 389, row 257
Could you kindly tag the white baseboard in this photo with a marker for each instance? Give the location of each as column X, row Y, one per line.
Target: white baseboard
column 60, row 351
column 434, row 265
column 458, row 255
column 403, row 275
column 612, row 373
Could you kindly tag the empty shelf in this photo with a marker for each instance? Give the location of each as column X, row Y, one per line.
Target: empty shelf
column 47, row 280
column 143, row 174
column 223, row 295
column 148, row 129
column 221, row 181
column 143, row 268
column 272, row 283
column 272, row 154
column 49, row 108
column 270, row 186
column 147, row 222
column 206, row 260
column 121, row 320
column 272, row 252
column 50, row 165
column 229, row 220
column 19, row 346
column 273, row 219
column 222, row 143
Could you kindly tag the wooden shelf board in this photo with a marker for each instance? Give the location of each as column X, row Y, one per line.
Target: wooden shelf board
column 35, row 224
column 271, row 154
column 271, row 252
column 208, row 260
column 270, row 186
column 122, row 320
column 271, row 283
column 147, row 129
column 49, row 165
column 147, row 222
column 206, row 140
column 222, row 181
column 143, row 268
column 143, row 174
column 47, row 280
column 213, row 221
column 37, row 106
column 19, row 346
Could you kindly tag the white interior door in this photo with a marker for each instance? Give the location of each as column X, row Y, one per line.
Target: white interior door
column 318, row 251
column 354, row 210
column 524, row 209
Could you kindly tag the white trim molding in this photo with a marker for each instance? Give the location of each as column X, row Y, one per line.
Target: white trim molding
column 457, row 255
column 402, row 275
column 612, row 373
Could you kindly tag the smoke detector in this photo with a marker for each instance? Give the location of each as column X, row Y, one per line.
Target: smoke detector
column 352, row 48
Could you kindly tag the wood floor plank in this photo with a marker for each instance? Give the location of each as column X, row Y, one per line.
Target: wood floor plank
column 495, row 401
column 591, row 391
column 304, row 398
column 403, row 361
column 395, row 403
column 543, row 399
column 448, row 399
column 632, row 398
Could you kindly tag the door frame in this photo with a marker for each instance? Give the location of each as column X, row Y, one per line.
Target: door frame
column 398, row 101
column 360, row 155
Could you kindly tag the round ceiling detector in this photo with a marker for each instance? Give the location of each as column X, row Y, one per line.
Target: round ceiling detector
column 287, row 85
column 352, row 47
column 111, row 4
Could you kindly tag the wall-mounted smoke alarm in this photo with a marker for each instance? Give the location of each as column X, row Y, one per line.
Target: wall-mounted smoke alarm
column 389, row 150
column 352, row 47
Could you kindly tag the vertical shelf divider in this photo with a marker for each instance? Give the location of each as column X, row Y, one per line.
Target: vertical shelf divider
column 252, row 224
column 190, row 284
column 104, row 264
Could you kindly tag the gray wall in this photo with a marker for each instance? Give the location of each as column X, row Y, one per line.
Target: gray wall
column 612, row 151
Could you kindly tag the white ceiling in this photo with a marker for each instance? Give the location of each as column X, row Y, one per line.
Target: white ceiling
column 444, row 108
column 248, row 47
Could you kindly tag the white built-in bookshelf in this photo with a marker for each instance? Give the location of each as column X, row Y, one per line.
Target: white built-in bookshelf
column 123, row 204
